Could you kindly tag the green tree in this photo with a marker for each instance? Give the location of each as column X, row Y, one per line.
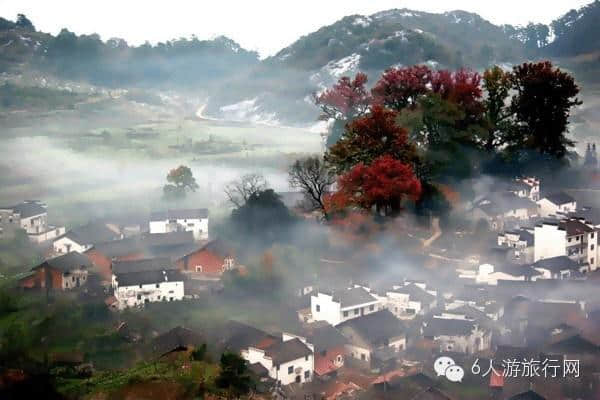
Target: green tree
column 497, row 84
column 542, row 105
column 264, row 217
column 234, row 377
column 180, row 181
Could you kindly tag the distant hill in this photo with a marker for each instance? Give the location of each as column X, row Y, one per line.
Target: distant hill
column 577, row 32
column 182, row 62
column 278, row 89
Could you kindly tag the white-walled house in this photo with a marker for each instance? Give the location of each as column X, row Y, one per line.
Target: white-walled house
column 490, row 275
column 571, row 237
column 457, row 334
column 379, row 331
column 501, row 207
column 82, row 238
column 287, row 360
column 343, row 305
column 528, row 187
column 522, row 243
column 556, row 204
column 408, row 300
column 192, row 220
column 31, row 216
column 560, row 267
column 135, row 289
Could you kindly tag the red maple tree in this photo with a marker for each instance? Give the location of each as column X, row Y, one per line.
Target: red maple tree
column 399, row 88
column 347, row 99
column 369, row 137
column 383, row 185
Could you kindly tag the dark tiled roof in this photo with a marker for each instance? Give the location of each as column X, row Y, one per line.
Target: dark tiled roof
column 238, row 336
column 502, row 202
column 326, row 337
column 559, row 198
column 195, row 213
column 448, row 327
column 282, row 352
column 353, row 297
column 258, row 370
column 557, row 264
column 28, row 208
column 524, row 235
column 176, row 252
column 67, row 262
column 119, row 248
column 149, row 264
column 376, row 328
column 177, row 338
column 148, row 277
column 167, row 239
column 575, row 227
column 92, row 233
column 416, row 293
column 218, row 247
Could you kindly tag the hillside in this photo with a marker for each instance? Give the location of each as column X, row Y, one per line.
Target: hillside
column 230, row 82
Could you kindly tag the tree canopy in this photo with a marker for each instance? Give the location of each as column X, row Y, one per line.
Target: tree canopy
column 180, row 181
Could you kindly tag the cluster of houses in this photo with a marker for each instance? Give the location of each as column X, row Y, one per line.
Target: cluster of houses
column 166, row 258
column 532, row 295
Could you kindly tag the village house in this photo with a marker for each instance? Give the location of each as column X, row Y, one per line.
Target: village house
column 329, row 348
column 212, row 259
column 556, row 204
column 376, row 333
column 31, row 216
column 134, row 289
column 103, row 255
column 452, row 333
column 343, row 305
column 527, row 187
column 69, row 271
column 82, row 238
column 409, row 299
column 560, row 267
column 502, row 208
column 570, row 237
column 191, row 220
column 489, row 274
column 176, row 340
column 289, row 359
column 140, row 265
column 521, row 241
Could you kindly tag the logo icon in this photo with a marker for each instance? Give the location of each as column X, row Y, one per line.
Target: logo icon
column 445, row 366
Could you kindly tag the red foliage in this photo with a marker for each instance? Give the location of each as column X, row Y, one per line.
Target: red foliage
column 369, row 137
column 462, row 87
column 347, row 99
column 382, row 184
column 401, row 87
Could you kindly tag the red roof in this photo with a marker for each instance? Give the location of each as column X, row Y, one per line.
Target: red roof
column 324, row 366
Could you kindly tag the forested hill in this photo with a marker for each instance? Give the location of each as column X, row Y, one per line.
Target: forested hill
column 185, row 62
column 240, row 86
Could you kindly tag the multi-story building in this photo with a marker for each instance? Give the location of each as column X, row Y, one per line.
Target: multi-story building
column 343, row 305
column 571, row 237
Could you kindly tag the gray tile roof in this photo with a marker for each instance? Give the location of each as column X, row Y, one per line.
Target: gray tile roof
column 28, row 208
column 92, row 233
column 148, row 277
column 282, row 352
column 353, row 297
column 167, row 239
column 179, row 214
column 67, row 262
column 559, row 198
column 448, row 327
column 176, row 338
column 375, row 328
column 326, row 337
column 557, row 264
column 148, row 264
